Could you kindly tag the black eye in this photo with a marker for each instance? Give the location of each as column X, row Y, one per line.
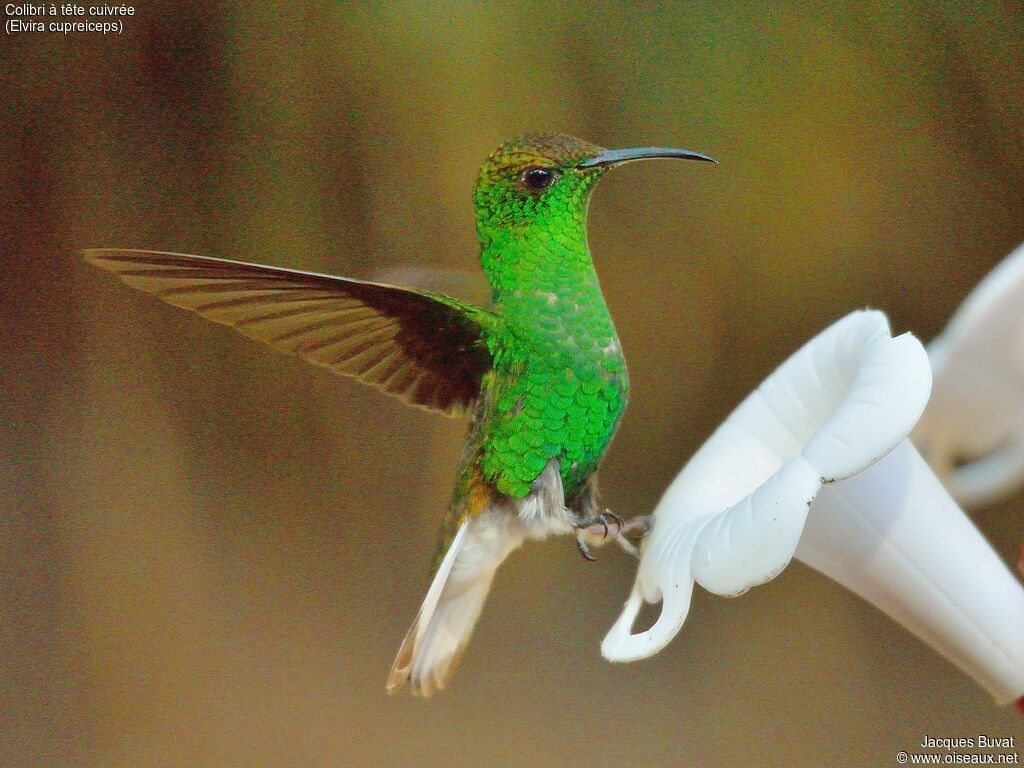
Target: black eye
column 538, row 179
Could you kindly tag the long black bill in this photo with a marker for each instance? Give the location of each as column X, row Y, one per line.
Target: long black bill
column 612, row 157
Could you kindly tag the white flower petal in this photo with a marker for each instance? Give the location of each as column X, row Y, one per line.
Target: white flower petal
column 893, row 535
column 977, row 406
column 827, row 431
column 990, row 477
column 733, row 517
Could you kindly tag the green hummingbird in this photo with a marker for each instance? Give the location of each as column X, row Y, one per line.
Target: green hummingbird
column 541, row 375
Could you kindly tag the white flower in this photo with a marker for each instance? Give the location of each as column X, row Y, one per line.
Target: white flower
column 972, row 432
column 822, row 442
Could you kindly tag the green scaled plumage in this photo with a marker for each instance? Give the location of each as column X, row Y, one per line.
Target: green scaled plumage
column 560, row 382
column 542, row 375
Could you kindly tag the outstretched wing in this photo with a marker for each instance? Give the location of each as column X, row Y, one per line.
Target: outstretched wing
column 428, row 349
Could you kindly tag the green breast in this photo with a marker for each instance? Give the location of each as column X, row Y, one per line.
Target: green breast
column 559, row 389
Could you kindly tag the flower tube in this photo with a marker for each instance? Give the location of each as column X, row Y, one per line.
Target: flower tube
column 816, row 463
column 972, row 432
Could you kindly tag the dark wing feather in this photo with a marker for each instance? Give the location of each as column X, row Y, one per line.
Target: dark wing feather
column 430, row 350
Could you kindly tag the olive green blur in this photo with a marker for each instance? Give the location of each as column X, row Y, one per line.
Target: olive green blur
column 209, row 550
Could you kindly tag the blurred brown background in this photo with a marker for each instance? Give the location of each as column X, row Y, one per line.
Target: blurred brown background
column 211, row 552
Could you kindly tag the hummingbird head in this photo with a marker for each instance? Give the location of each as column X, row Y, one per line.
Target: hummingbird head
column 543, row 182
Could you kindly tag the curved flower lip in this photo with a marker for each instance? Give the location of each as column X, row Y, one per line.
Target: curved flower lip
column 733, row 517
column 816, row 463
column 977, row 406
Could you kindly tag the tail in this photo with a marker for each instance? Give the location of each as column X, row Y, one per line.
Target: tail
column 437, row 638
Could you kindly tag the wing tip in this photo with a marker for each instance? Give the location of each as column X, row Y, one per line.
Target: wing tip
column 112, row 258
column 109, row 252
column 96, row 256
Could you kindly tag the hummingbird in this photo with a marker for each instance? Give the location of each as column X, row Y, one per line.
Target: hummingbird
column 541, row 375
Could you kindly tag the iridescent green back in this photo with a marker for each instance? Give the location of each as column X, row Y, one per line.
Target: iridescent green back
column 559, row 384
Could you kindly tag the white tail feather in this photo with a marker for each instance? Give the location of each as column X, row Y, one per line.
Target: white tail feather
column 435, row 641
column 446, row 637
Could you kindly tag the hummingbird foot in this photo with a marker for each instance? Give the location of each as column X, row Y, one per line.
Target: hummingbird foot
column 634, row 530
column 594, row 527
